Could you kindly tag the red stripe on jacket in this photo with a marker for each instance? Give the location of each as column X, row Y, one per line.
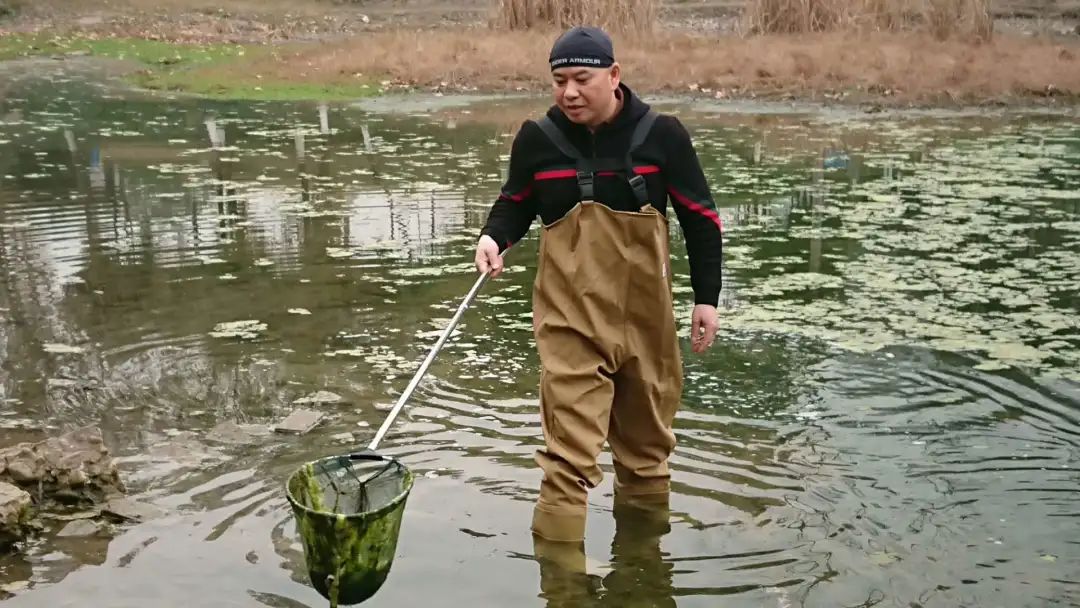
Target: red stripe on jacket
column 642, row 170
column 569, row 173
column 520, row 196
column 696, row 207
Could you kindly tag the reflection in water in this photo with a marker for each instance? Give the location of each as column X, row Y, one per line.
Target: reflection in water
column 637, row 575
column 887, row 416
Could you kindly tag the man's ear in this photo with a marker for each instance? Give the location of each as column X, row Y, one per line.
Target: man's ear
column 615, row 74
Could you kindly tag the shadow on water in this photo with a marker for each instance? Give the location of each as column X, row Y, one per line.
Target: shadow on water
column 889, row 416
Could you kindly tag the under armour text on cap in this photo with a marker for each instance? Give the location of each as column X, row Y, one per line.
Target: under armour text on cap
column 582, row 46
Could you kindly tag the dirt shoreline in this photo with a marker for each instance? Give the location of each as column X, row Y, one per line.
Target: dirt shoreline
column 312, row 50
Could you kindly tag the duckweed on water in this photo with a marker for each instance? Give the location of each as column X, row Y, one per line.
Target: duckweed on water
column 948, row 258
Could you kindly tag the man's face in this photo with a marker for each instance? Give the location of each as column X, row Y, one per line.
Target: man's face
column 585, row 94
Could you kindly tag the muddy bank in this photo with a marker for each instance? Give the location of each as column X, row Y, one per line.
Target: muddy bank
column 15, row 514
column 71, row 472
column 72, row 469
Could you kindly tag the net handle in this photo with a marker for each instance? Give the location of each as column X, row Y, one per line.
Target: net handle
column 427, row 361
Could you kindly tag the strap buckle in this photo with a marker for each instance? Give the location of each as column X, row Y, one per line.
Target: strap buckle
column 637, row 182
column 585, row 184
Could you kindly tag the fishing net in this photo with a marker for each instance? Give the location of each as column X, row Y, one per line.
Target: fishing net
column 348, row 513
column 348, row 509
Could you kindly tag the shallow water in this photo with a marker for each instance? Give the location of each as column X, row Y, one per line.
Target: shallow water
column 890, row 415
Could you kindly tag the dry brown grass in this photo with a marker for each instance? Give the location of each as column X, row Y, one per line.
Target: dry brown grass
column 625, row 16
column 943, row 19
column 904, row 67
column 212, row 6
column 887, row 50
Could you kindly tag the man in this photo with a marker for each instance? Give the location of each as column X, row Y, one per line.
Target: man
column 602, row 305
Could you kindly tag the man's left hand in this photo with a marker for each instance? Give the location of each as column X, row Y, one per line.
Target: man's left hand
column 703, row 326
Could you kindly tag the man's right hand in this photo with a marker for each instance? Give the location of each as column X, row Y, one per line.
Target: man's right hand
column 487, row 256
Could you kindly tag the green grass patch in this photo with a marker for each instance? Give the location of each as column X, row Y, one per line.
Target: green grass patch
column 217, row 71
column 237, row 85
column 149, row 52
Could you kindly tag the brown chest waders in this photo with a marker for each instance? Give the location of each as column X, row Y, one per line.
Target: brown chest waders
column 611, row 368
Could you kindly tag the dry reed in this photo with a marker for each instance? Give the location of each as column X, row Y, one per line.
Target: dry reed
column 899, row 66
column 624, row 16
column 943, row 19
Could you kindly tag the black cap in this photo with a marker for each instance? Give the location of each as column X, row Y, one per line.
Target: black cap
column 582, row 46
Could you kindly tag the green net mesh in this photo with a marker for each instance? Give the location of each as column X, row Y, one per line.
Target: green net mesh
column 348, row 514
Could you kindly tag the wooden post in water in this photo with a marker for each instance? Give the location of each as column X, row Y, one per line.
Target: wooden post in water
column 324, row 118
column 368, row 147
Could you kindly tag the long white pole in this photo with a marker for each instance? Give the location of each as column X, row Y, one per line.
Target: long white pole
column 427, row 361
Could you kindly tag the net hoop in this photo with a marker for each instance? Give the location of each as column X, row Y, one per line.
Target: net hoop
column 407, row 485
column 348, row 555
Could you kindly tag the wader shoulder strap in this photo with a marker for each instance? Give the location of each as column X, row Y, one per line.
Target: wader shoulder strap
column 641, row 131
column 558, row 138
column 584, row 170
column 587, row 167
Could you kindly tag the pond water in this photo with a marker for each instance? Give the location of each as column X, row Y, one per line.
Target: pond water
column 890, row 415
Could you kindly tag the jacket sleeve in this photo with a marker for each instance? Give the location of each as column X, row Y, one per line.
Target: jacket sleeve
column 691, row 197
column 515, row 208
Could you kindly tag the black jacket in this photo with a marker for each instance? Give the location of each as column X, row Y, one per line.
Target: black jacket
column 541, row 182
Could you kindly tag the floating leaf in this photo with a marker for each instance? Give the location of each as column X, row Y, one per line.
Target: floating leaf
column 65, row 349
column 247, row 329
column 882, row 558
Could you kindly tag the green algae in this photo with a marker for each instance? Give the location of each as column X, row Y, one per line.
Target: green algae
column 349, row 552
